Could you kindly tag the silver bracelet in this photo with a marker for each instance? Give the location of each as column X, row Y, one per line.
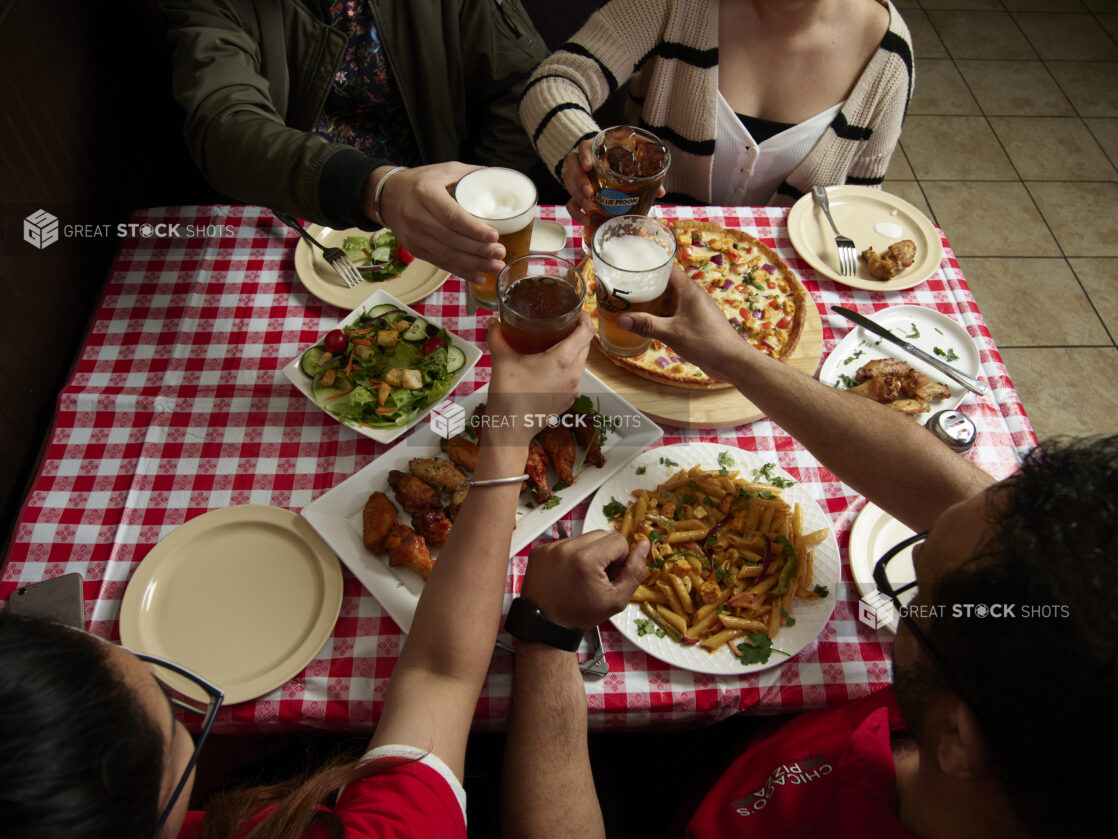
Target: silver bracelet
column 380, row 186
column 489, row 482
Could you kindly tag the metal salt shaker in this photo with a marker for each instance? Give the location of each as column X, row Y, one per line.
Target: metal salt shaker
column 953, row 428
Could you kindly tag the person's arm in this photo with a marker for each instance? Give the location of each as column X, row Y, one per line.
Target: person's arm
column 547, row 787
column 888, row 458
column 435, row 685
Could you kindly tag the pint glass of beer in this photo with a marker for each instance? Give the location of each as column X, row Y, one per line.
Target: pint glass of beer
column 629, row 166
column 505, row 200
column 633, row 258
column 540, row 298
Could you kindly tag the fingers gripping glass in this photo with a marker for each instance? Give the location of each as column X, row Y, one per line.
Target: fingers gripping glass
column 206, row 709
column 885, row 586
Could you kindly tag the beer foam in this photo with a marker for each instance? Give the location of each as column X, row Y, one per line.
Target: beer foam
column 635, row 265
column 504, row 198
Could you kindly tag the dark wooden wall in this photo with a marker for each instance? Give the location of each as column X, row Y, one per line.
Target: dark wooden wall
column 89, row 132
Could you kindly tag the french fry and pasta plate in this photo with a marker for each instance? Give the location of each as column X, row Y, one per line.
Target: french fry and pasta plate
column 744, row 587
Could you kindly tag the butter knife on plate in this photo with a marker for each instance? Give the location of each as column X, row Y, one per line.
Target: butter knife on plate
column 970, row 383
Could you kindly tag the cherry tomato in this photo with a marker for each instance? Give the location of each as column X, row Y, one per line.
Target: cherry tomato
column 430, row 345
column 403, row 255
column 335, row 341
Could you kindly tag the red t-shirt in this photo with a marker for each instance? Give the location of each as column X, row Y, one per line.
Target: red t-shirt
column 825, row 773
column 417, row 798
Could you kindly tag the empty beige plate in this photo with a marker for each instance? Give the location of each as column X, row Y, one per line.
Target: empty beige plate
column 874, row 219
column 244, row 597
column 418, row 280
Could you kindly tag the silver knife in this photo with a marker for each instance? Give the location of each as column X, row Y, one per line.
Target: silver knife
column 596, row 665
column 971, row 384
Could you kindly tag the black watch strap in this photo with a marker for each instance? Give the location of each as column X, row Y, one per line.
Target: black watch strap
column 526, row 622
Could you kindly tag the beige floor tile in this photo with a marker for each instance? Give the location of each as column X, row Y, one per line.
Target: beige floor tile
column 981, row 35
column 925, row 41
column 1081, row 215
column 1053, row 149
column 910, row 191
column 1043, row 6
column 1014, row 87
column 940, row 89
column 1015, row 297
column 1092, row 86
column 1106, row 132
column 899, row 170
column 989, row 219
column 954, row 148
column 1100, row 278
column 1060, row 388
column 1067, row 37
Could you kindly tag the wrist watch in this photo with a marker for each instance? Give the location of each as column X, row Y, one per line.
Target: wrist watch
column 526, row 622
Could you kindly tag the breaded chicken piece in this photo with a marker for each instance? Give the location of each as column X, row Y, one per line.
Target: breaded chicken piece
column 456, row 501
column 433, row 525
column 881, row 265
column 412, row 493
column 439, row 473
column 406, row 547
column 903, row 252
column 461, row 452
column 559, row 443
column 536, row 467
column 377, row 520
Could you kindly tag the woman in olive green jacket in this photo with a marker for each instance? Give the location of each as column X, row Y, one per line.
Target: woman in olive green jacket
column 253, row 77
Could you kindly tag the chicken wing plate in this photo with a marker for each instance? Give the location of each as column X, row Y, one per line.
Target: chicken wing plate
column 406, row 547
column 412, row 493
column 436, row 472
column 377, row 520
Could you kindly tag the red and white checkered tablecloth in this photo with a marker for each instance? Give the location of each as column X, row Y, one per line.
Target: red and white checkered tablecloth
column 176, row 407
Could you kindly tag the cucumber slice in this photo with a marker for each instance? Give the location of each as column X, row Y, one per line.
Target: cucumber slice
column 455, row 358
column 311, row 362
column 417, row 331
column 377, row 311
column 384, row 238
column 323, row 393
column 381, row 255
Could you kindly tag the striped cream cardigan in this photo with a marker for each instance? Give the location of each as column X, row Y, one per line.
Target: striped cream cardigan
column 668, row 51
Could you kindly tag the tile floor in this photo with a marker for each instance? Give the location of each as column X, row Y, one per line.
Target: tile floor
column 1011, row 147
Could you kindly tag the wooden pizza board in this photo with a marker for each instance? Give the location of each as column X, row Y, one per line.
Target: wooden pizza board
column 721, row 408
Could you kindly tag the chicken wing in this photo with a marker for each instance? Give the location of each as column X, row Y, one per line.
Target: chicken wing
column 589, row 435
column 412, row 493
column 456, row 501
column 439, row 473
column 559, row 443
column 536, row 467
column 904, row 252
column 461, row 452
column 377, row 519
column 881, row 266
column 433, row 525
column 406, row 547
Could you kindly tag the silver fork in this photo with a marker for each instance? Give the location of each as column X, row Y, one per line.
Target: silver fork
column 596, row 665
column 335, row 257
column 848, row 254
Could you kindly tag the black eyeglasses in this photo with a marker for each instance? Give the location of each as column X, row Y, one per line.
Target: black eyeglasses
column 885, row 586
column 208, row 713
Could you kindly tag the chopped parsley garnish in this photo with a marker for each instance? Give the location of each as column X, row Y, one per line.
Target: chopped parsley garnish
column 756, row 649
column 531, row 505
column 560, row 484
column 667, row 462
column 950, row 355
column 765, row 494
column 788, row 619
column 647, row 627
column 613, row 509
column 937, row 329
column 721, row 574
column 856, row 355
column 915, row 333
column 654, row 536
column 821, row 591
column 765, row 473
column 551, row 502
column 725, row 461
column 846, row 381
column 641, row 470
column 688, row 499
column 708, row 500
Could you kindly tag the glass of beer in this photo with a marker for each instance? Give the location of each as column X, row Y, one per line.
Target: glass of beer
column 505, row 200
column 540, row 298
column 633, row 258
column 629, row 166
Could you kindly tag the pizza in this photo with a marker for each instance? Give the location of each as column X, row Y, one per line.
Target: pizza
column 760, row 295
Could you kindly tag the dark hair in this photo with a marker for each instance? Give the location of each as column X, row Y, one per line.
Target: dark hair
column 1043, row 682
column 79, row 755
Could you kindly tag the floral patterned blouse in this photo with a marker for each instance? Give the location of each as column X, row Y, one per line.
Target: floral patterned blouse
column 364, row 109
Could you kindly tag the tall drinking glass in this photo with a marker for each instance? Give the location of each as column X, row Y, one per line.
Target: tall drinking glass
column 629, row 164
column 505, row 200
column 540, row 298
column 633, row 258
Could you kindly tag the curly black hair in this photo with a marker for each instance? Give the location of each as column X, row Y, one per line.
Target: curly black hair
column 80, row 757
column 1043, row 681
